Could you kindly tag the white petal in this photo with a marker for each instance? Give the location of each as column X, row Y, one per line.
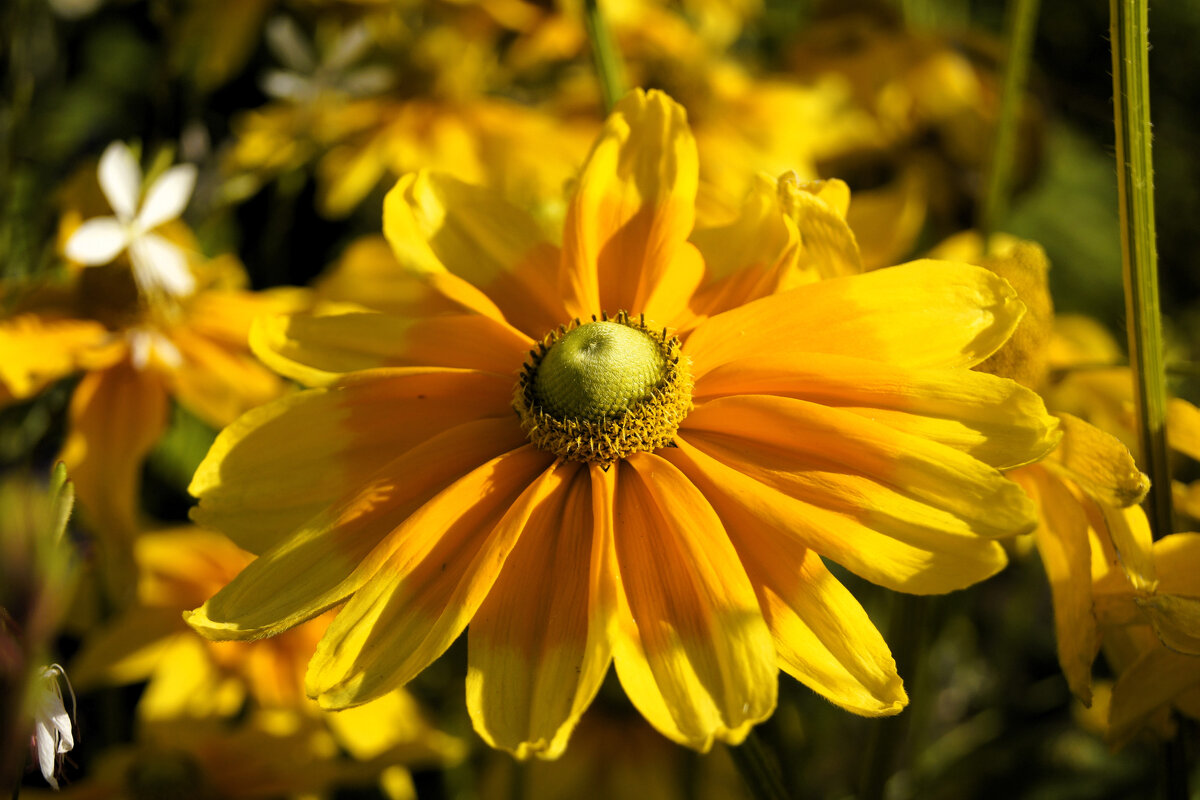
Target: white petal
column 290, row 46
column 287, row 85
column 166, row 199
column 160, row 265
column 120, row 180
column 46, row 751
column 350, row 47
column 97, row 241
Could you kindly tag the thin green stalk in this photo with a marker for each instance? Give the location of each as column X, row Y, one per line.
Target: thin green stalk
column 1128, row 32
column 993, row 208
column 605, row 54
column 759, row 769
column 1135, row 185
column 906, row 633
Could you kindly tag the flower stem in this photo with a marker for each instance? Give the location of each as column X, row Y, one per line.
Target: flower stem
column 1128, row 26
column 993, row 208
column 605, row 54
column 759, row 769
column 1135, row 186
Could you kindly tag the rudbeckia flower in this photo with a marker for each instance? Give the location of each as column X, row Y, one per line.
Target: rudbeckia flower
column 158, row 263
column 636, row 448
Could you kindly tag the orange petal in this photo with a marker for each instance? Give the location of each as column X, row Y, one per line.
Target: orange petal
column 335, row 553
column 447, row 556
column 823, row 636
column 116, row 416
column 693, row 652
column 900, row 483
column 993, row 419
column 538, row 646
column 921, row 565
column 217, row 382
column 627, row 225
column 280, row 464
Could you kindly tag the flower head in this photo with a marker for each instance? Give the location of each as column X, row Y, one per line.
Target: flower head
column 158, row 264
column 656, row 488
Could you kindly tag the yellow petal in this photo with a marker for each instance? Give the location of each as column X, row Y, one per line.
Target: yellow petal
column 693, row 643
column 334, row 554
column 369, row 275
column 992, row 419
column 217, row 382
column 920, row 565
column 36, row 350
column 125, row 650
column 823, row 636
column 1151, row 683
column 753, row 256
column 1098, row 463
column 830, row 249
column 633, row 210
column 922, row 314
column 436, row 223
column 538, row 646
column 1063, row 541
column 282, row 463
column 447, row 555
column 1174, row 608
column 1183, row 427
column 317, row 350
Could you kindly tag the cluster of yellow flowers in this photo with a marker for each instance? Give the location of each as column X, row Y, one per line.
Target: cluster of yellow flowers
column 642, row 390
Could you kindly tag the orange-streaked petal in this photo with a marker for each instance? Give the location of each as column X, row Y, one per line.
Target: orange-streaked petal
column 823, row 637
column 632, row 212
column 538, row 646
column 447, row 556
column 927, row 564
column 339, row 550
column 693, row 641
column 904, row 484
column 1063, row 541
column 317, row 350
column 994, row 420
column 280, row 464
column 921, row 314
column 436, row 223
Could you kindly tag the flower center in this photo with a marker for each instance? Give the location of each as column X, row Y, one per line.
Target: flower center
column 603, row 390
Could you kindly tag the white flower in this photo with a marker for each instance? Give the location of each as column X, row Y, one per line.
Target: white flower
column 52, row 736
column 158, row 265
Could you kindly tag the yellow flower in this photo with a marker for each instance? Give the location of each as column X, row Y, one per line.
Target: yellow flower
column 190, row 678
column 1110, row 586
column 136, row 353
column 758, row 423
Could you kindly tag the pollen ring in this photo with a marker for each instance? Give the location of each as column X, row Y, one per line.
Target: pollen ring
column 642, row 419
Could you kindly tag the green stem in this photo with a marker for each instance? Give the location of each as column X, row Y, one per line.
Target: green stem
column 759, row 769
column 1128, row 32
column 1022, row 22
column 1135, row 185
column 605, row 54
column 906, row 632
